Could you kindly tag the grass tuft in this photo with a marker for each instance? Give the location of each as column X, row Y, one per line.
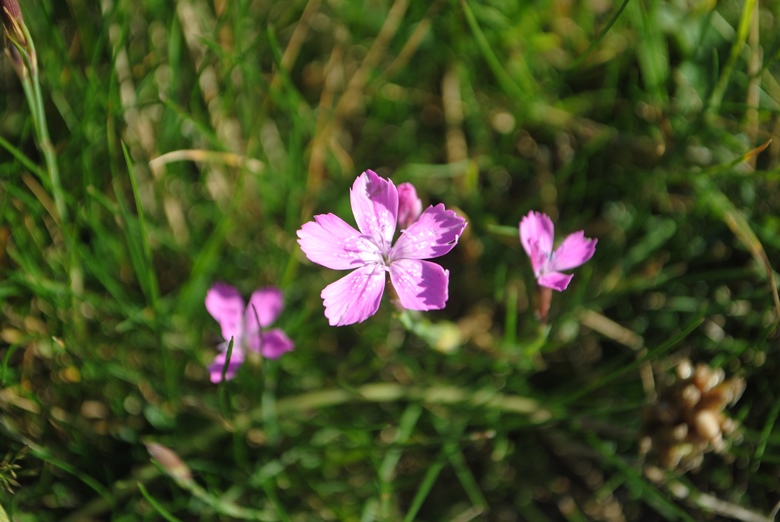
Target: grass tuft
column 150, row 149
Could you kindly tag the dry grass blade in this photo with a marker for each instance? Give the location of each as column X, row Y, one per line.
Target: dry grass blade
column 208, row 156
column 296, row 40
column 198, row 25
column 705, row 501
column 626, row 337
column 333, row 75
column 741, row 228
column 350, row 100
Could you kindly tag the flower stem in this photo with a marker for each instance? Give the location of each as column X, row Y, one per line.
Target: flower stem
column 30, row 78
column 25, row 62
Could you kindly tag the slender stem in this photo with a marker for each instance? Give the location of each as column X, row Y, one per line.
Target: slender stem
column 32, row 89
column 30, row 79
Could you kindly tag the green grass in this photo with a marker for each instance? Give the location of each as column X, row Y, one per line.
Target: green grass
column 163, row 146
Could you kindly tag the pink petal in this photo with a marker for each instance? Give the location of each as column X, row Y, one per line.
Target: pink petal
column 268, row 304
column 215, row 368
column 409, row 205
column 539, row 260
column 434, row 234
column 276, row 343
column 354, row 297
column 375, row 206
column 536, row 236
column 555, row 280
column 329, row 241
column 574, row 251
column 420, row 285
column 226, row 305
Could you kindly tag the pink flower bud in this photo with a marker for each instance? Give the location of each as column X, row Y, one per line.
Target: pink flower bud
column 409, row 205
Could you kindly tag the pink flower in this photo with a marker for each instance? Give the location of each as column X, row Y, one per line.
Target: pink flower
column 226, row 305
column 331, row 242
column 536, row 236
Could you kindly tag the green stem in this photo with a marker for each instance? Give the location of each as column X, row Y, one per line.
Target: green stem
column 34, row 95
column 30, row 79
column 167, row 515
column 736, row 49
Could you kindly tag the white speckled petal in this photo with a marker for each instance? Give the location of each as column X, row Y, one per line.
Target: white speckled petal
column 375, row 206
column 226, row 305
column 354, row 297
column 329, row 241
column 420, row 285
column 434, row 234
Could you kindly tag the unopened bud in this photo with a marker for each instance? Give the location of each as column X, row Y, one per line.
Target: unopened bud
column 13, row 25
column 409, row 205
column 169, row 461
column 12, row 7
column 13, row 21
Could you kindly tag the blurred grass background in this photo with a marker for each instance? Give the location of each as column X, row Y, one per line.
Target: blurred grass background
column 193, row 138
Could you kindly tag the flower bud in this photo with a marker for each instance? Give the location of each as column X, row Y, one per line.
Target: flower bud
column 169, row 461
column 409, row 205
column 13, row 25
column 13, row 21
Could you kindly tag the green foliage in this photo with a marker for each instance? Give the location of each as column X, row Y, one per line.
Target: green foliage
column 153, row 148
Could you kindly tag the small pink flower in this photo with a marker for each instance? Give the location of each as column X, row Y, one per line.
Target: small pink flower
column 331, row 242
column 536, row 236
column 240, row 323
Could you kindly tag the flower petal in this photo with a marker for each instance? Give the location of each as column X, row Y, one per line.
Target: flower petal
column 267, row 303
column 354, row 297
column 226, row 305
column 215, row 368
column 375, row 206
column 434, row 234
column 409, row 205
column 329, row 241
column 555, row 280
column 536, row 236
column 574, row 251
column 420, row 285
column 275, row 343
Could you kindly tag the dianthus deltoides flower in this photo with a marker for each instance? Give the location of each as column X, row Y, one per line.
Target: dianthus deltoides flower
column 536, row 236
column 240, row 323
column 332, row 243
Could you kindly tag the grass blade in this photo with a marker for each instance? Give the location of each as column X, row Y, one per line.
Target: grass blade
column 156, row 505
